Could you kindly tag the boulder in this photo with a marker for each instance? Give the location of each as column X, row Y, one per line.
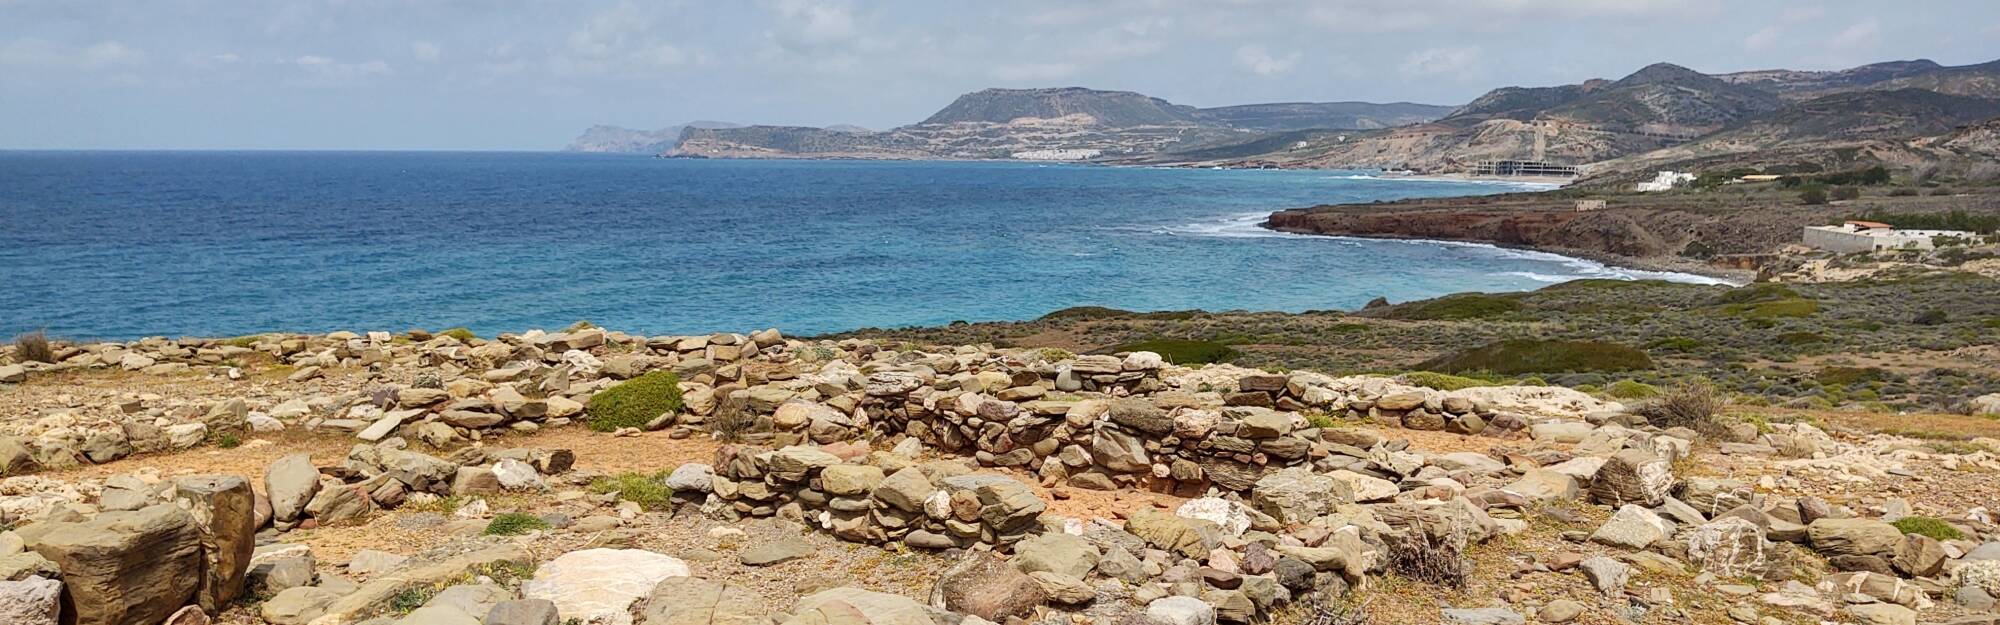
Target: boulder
column 1632, row 476
column 986, row 587
column 1180, row 611
column 1631, row 527
column 905, row 490
column 381, row 592
column 1065, row 554
column 290, row 483
column 1608, row 575
column 692, row 477
column 1729, row 547
column 296, row 606
column 531, row 612
column 1854, row 537
column 124, row 568
column 1882, row 614
column 1119, row 451
column 696, row 601
column 1298, row 495
column 854, row 606
column 850, row 479
column 599, row 586
column 222, row 507
column 1231, row 517
column 1543, row 485
column 1367, row 488
column 1189, row 537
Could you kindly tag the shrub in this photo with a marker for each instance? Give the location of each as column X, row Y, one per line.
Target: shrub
column 463, row 335
column 1931, row 317
column 1441, row 381
column 1812, row 196
column 1454, row 307
column 1927, row 526
column 1675, row 344
column 649, row 490
column 1801, row 338
column 1631, row 389
column 514, row 524
column 1320, row 420
column 731, row 419
column 33, row 346
column 1086, row 312
column 1519, row 356
column 1784, row 308
column 1426, row 556
column 1182, row 352
column 1845, row 193
column 1692, row 405
column 1845, row 376
column 635, row 402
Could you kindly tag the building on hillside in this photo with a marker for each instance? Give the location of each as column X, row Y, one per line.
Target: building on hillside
column 1665, row 181
column 1760, row 178
column 1590, row 205
column 1521, row 168
column 1868, row 236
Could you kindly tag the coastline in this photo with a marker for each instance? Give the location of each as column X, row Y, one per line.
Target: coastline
column 1731, row 277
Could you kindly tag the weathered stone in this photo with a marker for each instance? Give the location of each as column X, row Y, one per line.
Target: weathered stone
column 1728, row 547
column 221, row 507
column 296, row 606
column 1608, row 575
column 599, row 586
column 536, row 612
column 1065, row 554
column 850, row 479
column 1854, row 537
column 379, row 593
column 1482, row 616
column 775, row 551
column 1119, row 451
column 1297, row 495
column 31, row 601
column 1181, row 611
column 290, row 483
column 1632, row 527
column 854, row 606
column 986, row 587
column 1189, row 537
column 124, row 568
column 1231, row 517
column 1632, row 476
column 905, row 489
column 696, row 601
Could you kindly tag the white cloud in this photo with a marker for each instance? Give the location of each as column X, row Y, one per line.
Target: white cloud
column 426, row 51
column 810, row 24
column 1863, row 34
column 226, row 57
column 1457, row 62
column 322, row 71
column 1258, row 60
column 41, row 54
column 1762, row 39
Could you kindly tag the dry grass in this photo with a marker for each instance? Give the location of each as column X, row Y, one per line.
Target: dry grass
column 33, row 347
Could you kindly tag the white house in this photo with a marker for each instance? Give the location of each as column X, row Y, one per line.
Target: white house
column 1868, row 236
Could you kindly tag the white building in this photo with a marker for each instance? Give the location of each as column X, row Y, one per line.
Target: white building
column 1666, row 181
column 1868, row 236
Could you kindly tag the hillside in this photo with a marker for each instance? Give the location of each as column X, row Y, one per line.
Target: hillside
column 1067, row 123
column 1824, row 133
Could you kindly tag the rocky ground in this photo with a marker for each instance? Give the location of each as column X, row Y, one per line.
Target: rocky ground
column 598, row 477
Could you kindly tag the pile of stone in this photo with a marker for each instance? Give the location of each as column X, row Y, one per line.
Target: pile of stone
column 937, row 505
column 385, row 476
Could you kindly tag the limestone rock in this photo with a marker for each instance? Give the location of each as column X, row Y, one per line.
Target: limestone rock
column 696, row 601
column 1054, row 552
column 599, row 586
column 986, row 587
column 125, row 568
column 223, row 515
column 290, row 483
column 1632, row 476
column 1631, row 527
column 1297, row 495
column 32, row 601
column 1854, row 537
column 854, row 606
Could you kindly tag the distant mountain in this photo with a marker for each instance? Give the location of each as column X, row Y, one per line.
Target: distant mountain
column 1289, row 116
column 1064, row 123
column 1661, row 115
column 626, row 140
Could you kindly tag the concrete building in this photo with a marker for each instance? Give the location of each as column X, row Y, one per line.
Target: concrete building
column 1869, row 236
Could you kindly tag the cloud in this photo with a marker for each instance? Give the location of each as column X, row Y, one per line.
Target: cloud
column 426, row 51
column 1863, row 34
column 41, row 54
column 620, row 40
column 321, row 71
column 1459, row 62
column 804, row 25
column 1259, row 61
column 1762, row 39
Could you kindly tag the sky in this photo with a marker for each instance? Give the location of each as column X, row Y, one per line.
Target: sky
column 532, row 74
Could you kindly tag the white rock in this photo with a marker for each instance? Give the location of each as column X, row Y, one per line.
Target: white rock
column 1181, row 611
column 1229, row 515
column 32, row 601
column 517, row 475
column 599, row 586
column 1367, row 487
column 693, row 477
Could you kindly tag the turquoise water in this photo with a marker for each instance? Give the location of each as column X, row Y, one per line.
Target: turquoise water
column 129, row 244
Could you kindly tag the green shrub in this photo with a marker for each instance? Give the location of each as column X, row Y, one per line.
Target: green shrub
column 1631, row 389
column 463, row 335
column 1320, row 420
column 33, row 347
column 514, row 524
column 635, row 402
column 1845, row 193
column 1675, row 344
column 649, row 490
column 1844, row 376
column 1762, row 292
column 1181, row 352
column 1441, row 381
column 1812, row 196
column 1086, row 312
column 1931, row 317
column 1927, row 526
column 1519, row 356
column 1801, row 338
column 1454, row 307
column 1784, row 308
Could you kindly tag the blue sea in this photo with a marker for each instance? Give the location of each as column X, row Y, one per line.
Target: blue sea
column 119, row 245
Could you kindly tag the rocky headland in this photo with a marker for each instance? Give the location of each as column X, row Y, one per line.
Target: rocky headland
column 593, row 476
